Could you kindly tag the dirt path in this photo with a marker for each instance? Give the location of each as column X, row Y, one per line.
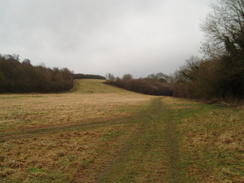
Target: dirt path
column 4, row 136
column 152, row 154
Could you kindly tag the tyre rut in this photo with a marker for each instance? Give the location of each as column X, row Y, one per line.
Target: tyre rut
column 152, row 154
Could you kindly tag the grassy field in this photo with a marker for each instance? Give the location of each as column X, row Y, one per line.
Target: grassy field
column 32, row 111
column 98, row 133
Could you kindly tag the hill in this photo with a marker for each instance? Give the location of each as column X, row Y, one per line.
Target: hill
column 95, row 86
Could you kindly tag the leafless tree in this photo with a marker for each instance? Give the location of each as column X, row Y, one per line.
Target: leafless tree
column 110, row 77
column 127, row 77
column 224, row 28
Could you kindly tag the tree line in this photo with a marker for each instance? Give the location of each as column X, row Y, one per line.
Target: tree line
column 23, row 77
column 220, row 73
column 87, row 76
column 152, row 85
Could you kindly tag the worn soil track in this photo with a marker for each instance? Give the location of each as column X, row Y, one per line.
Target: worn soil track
column 151, row 155
column 4, row 136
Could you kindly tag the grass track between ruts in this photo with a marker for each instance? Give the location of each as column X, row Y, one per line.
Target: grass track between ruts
column 152, row 155
column 144, row 159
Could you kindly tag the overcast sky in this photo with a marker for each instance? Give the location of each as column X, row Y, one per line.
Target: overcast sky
column 139, row 37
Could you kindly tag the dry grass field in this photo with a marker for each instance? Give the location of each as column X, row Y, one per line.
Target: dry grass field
column 56, row 152
column 98, row 133
column 20, row 112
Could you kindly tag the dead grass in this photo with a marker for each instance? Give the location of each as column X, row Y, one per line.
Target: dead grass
column 210, row 144
column 36, row 111
column 71, row 155
column 91, row 86
column 62, row 157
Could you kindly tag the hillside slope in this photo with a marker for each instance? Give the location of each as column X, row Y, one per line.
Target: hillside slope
column 95, row 86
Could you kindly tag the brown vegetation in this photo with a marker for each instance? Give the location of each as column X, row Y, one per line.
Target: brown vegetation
column 151, row 86
column 220, row 74
column 43, row 138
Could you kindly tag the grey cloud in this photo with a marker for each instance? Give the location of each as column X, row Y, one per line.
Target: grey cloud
column 93, row 36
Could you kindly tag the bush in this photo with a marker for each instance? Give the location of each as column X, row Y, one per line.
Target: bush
column 145, row 86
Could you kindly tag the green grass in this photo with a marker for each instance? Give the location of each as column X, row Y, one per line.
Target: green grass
column 211, row 142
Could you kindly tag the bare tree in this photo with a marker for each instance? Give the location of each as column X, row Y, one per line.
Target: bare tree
column 127, row 77
column 189, row 70
column 224, row 28
column 110, row 77
column 159, row 77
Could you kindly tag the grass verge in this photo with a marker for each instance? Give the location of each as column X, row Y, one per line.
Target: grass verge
column 210, row 141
